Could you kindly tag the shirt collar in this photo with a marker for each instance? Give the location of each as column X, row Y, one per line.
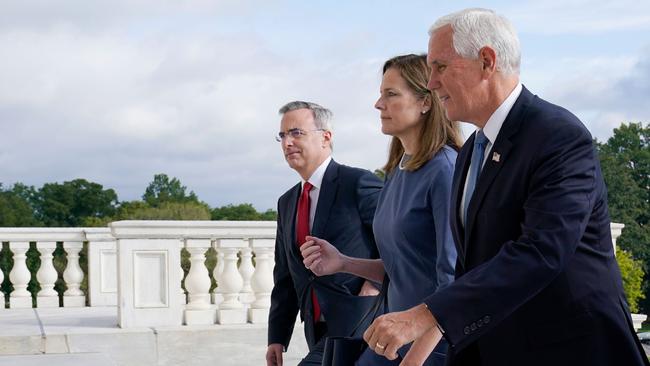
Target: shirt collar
column 316, row 178
column 494, row 123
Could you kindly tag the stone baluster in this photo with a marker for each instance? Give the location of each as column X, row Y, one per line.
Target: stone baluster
column 182, row 294
column 20, row 276
column 73, row 275
column 246, row 270
column 47, row 276
column 197, row 283
column 262, row 281
column 231, row 310
column 217, row 293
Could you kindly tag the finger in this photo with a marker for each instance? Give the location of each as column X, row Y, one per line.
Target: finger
column 368, row 333
column 374, row 340
column 307, row 244
column 309, row 261
column 270, row 358
column 305, row 250
column 278, row 357
column 391, row 350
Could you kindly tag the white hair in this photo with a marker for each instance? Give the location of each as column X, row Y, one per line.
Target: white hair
column 322, row 115
column 476, row 28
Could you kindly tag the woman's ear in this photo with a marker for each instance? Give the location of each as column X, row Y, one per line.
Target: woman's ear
column 426, row 103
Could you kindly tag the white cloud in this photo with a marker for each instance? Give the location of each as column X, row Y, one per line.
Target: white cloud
column 580, row 16
column 116, row 92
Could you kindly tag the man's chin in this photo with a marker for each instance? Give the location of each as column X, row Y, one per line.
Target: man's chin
column 293, row 164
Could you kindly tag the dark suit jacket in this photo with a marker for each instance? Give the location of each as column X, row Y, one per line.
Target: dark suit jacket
column 346, row 207
column 537, row 282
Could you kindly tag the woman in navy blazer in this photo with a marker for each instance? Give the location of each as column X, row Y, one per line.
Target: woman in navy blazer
column 411, row 224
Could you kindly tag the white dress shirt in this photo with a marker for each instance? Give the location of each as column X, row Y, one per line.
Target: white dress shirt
column 315, row 180
column 491, row 131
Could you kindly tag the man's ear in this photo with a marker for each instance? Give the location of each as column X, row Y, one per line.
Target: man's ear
column 327, row 136
column 488, row 58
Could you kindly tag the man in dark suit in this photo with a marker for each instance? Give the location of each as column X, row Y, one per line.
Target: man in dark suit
column 537, row 282
column 334, row 202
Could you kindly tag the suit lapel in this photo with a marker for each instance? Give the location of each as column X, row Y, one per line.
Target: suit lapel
column 328, row 190
column 460, row 173
column 290, row 220
column 493, row 164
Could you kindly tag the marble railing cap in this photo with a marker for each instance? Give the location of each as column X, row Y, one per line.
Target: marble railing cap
column 166, row 229
column 29, row 234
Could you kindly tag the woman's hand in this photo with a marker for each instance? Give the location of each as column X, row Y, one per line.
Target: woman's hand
column 321, row 257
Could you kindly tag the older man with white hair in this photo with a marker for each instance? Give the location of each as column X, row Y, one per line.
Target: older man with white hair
column 536, row 278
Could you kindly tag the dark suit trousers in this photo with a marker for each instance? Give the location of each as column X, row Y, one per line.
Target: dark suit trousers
column 315, row 356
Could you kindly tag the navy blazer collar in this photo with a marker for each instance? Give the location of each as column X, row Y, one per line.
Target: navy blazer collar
column 326, row 197
column 497, row 157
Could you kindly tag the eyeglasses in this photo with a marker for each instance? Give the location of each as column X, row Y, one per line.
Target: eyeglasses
column 295, row 133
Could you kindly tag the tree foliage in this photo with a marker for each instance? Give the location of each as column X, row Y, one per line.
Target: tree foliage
column 162, row 189
column 241, row 212
column 69, row 203
column 138, row 210
column 15, row 207
column 625, row 162
column 632, row 274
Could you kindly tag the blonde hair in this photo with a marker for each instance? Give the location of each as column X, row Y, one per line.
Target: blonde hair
column 437, row 131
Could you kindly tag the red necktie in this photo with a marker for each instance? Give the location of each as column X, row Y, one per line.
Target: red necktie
column 302, row 230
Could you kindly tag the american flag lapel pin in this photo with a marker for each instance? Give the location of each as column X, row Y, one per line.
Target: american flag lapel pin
column 496, row 157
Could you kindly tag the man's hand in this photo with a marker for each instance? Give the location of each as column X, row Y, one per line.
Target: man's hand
column 391, row 331
column 321, row 257
column 274, row 354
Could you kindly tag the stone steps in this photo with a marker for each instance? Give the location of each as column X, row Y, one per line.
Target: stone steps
column 72, row 359
column 39, row 335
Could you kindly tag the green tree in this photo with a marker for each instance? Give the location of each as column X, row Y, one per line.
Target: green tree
column 625, row 162
column 15, row 207
column 162, row 189
column 632, row 274
column 68, row 204
column 242, row 212
column 138, row 210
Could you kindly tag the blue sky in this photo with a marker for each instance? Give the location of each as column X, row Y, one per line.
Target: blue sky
column 117, row 91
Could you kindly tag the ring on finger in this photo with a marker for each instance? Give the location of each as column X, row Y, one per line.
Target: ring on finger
column 380, row 346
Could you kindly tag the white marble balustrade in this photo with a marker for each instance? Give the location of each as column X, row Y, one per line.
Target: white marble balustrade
column 45, row 239
column 243, row 288
column 136, row 265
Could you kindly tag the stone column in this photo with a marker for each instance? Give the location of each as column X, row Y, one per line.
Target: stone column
column 102, row 267
column 262, row 281
column 231, row 310
column 246, row 270
column 197, row 283
column 20, row 276
column 616, row 230
column 73, row 275
column 47, row 276
column 217, row 293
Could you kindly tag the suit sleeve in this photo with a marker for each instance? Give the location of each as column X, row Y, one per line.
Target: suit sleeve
column 439, row 196
column 284, row 301
column 368, row 189
column 560, row 197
